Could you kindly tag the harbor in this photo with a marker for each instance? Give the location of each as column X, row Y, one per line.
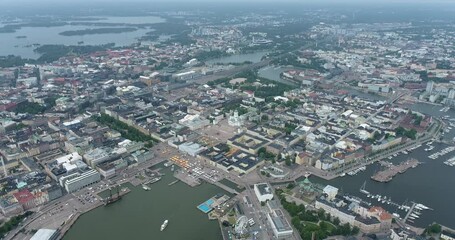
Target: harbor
column 413, row 186
column 175, row 203
column 392, row 170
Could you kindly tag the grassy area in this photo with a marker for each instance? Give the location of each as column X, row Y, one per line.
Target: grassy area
column 126, row 131
column 13, row 222
column 319, row 222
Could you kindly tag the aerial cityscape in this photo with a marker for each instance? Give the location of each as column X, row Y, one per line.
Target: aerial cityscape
column 221, row 120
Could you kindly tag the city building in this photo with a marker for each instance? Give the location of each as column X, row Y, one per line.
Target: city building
column 331, row 191
column 77, row 181
column 430, row 86
column 280, row 225
column 263, row 192
column 45, row 234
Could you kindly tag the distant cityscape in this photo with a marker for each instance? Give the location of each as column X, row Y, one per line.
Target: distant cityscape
column 277, row 110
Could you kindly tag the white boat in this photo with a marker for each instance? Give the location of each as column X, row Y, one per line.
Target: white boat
column 396, row 215
column 164, row 225
column 145, row 187
column 414, row 215
column 422, row 206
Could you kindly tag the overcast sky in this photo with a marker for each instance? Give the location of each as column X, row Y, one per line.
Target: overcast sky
column 239, row 1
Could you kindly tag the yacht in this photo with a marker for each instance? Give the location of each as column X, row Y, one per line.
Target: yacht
column 164, row 225
column 422, row 206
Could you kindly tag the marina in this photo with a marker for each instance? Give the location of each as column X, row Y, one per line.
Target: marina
column 442, row 152
column 392, row 170
column 450, row 162
column 354, row 172
column 412, row 212
column 413, row 186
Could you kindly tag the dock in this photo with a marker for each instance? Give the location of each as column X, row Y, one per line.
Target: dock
column 184, row 177
column 174, row 182
column 409, row 212
column 392, row 170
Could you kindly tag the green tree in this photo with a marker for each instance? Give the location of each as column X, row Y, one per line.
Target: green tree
column 433, row 228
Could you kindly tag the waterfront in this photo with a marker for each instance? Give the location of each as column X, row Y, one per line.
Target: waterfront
column 141, row 213
column 273, row 73
column 429, row 183
column 10, row 45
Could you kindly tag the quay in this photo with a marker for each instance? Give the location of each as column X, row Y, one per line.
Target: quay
column 388, row 174
column 73, row 217
column 186, row 178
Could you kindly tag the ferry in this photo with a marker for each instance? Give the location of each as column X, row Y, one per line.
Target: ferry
column 154, row 180
column 145, row 187
column 164, row 225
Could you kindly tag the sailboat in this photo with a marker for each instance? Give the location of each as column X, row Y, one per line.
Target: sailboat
column 363, row 190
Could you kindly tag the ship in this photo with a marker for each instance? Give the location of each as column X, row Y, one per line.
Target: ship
column 164, row 225
column 154, row 180
column 145, row 187
column 112, row 198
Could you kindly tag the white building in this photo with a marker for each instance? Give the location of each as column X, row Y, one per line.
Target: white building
column 430, row 85
column 77, row 181
column 96, row 156
column 280, row 226
column 331, row 191
column 191, row 148
column 194, row 122
column 451, row 94
column 45, row 234
column 263, row 192
column 235, row 120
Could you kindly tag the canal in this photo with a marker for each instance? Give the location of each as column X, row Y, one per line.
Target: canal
column 140, row 214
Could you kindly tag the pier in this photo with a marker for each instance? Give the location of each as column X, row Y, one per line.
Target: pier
column 388, row 174
column 174, row 182
column 409, row 212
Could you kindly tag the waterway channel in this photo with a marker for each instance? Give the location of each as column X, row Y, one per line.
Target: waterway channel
column 140, row 214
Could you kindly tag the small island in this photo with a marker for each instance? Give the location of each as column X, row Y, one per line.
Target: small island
column 97, row 31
